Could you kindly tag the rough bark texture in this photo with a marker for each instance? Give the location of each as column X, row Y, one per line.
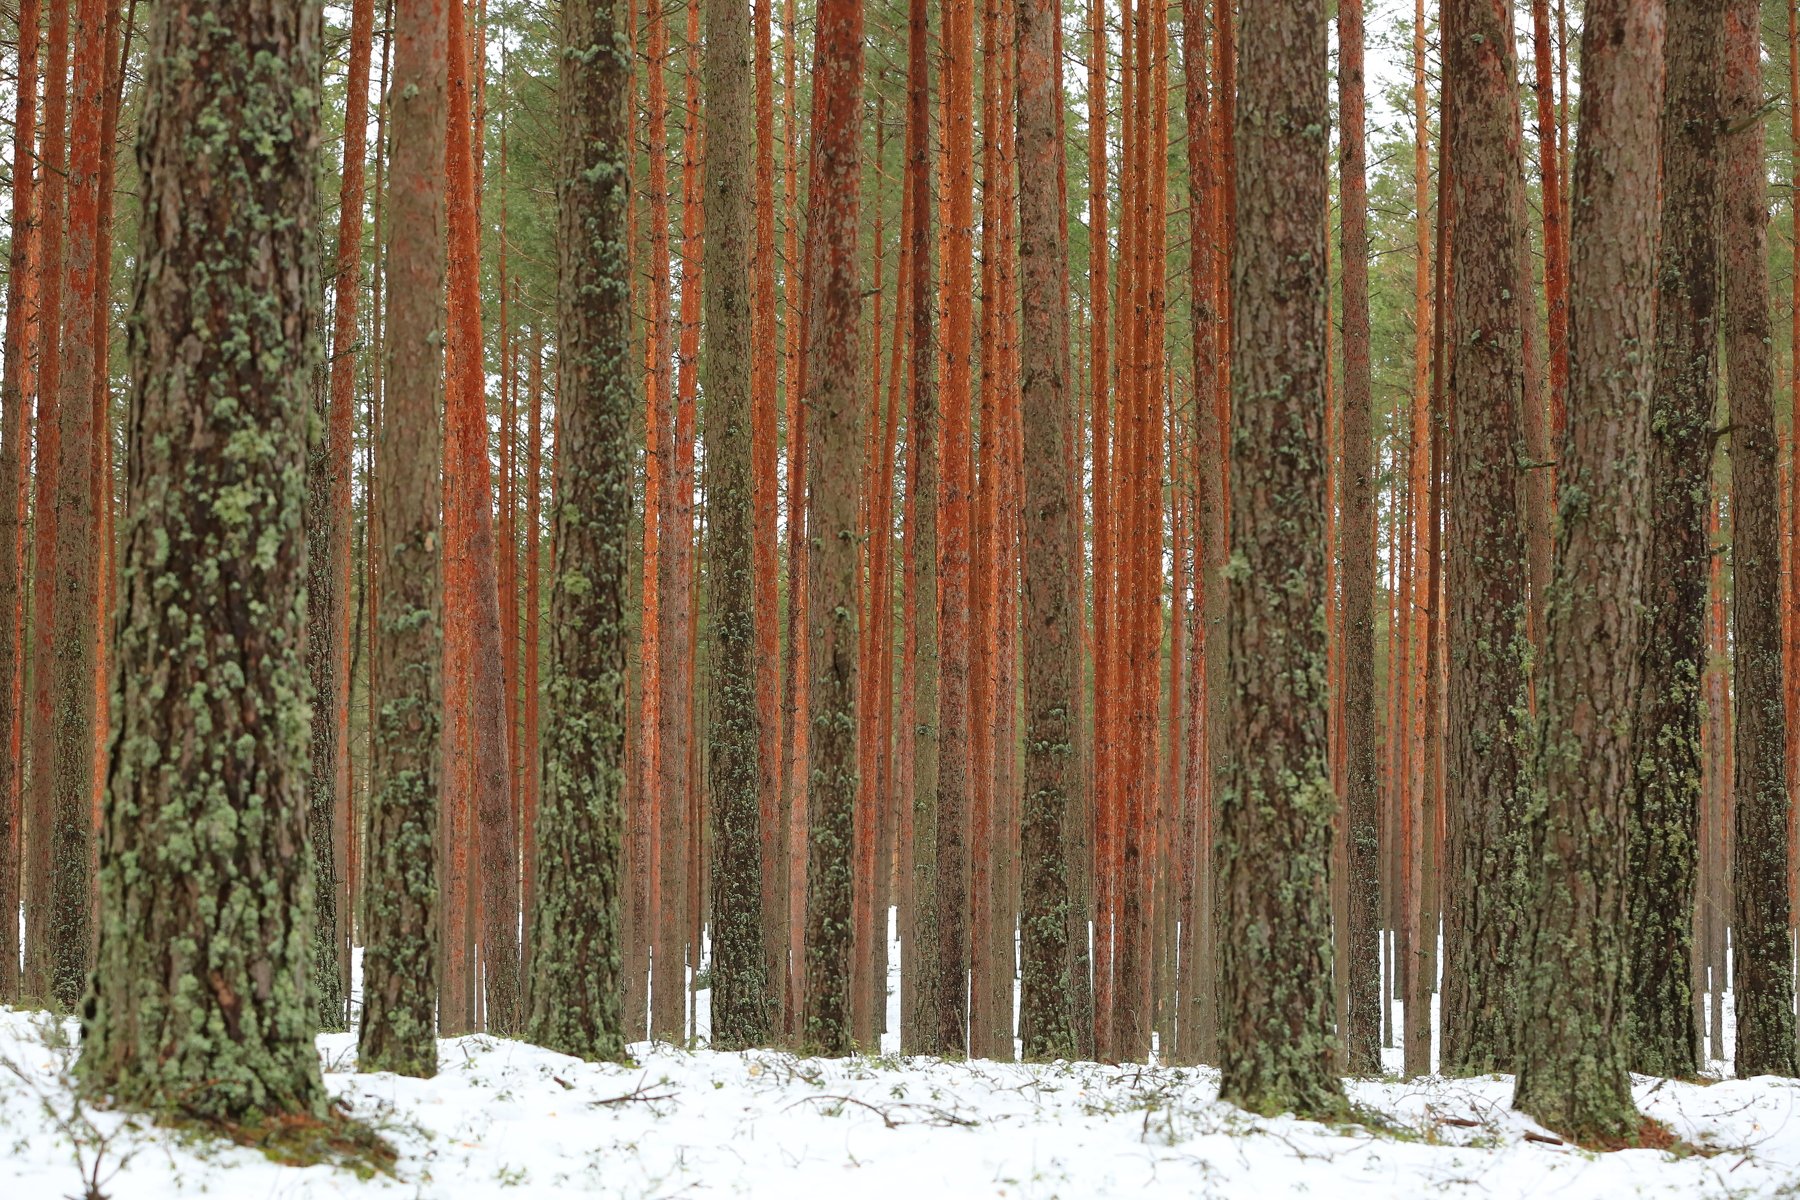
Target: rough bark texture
column 949, row 1034
column 199, row 1005
column 77, row 532
column 576, row 1004
column 834, row 419
column 1051, row 540
column 52, row 225
column 922, row 483
column 328, row 540
column 1665, row 794
column 13, row 426
column 1277, row 1052
column 400, row 961
column 1362, row 780
column 1761, row 956
column 1571, row 1017
column 1488, row 728
column 740, row 1013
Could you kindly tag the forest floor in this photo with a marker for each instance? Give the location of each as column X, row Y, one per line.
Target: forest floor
column 505, row 1119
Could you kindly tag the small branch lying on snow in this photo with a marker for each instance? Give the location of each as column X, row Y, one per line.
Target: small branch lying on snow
column 933, row 1114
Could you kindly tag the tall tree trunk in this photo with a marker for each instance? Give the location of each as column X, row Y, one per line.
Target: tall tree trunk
column 1276, row 810
column 575, row 1003
column 950, row 1032
column 740, row 1014
column 77, row 531
column 919, row 1009
column 1666, row 791
column 52, row 225
column 1362, row 796
column 834, row 417
column 1762, row 959
column 764, row 466
column 328, row 537
column 1488, row 733
column 400, row 962
column 1052, row 538
column 14, row 423
column 1571, row 1018
column 222, row 264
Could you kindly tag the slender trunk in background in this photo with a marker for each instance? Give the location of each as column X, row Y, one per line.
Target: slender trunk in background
column 1100, row 375
column 14, row 422
column 740, row 1011
column 796, row 297
column 1571, row 1033
column 400, row 962
column 530, row 740
column 1051, row 537
column 1488, row 733
column 53, row 226
column 919, row 1010
column 765, row 448
column 575, row 1003
column 328, row 536
column 1666, row 792
column 473, row 608
column 1761, row 966
column 834, row 417
column 950, row 1033
column 1553, row 155
column 1362, row 795
column 666, row 992
column 77, row 541
column 1277, row 805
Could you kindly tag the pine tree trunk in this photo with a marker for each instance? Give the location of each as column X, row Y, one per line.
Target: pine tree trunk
column 1051, row 538
column 949, row 1033
column 764, row 459
column 77, row 531
column 575, row 1002
column 1571, row 1041
column 834, row 417
column 53, row 226
column 1489, row 739
column 919, row 1007
column 14, row 424
column 740, row 1015
column 400, row 961
column 202, row 1007
column 1762, row 960
column 1362, row 796
column 1277, row 805
column 1666, row 792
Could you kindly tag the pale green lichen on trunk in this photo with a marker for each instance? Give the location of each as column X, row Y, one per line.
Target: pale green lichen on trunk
column 199, row 1004
column 575, row 1001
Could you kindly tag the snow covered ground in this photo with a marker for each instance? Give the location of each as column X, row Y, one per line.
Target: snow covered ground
column 504, row 1119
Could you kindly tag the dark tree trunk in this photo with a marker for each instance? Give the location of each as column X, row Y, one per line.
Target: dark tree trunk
column 576, row 1002
column 1275, row 813
column 833, row 429
column 328, row 542
column 1051, row 543
column 1665, row 813
column 13, row 426
column 740, row 1011
column 1362, row 778
column 919, row 1028
column 400, row 961
column 1570, row 1046
column 199, row 1004
column 77, row 532
column 1761, row 956
column 1488, row 733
